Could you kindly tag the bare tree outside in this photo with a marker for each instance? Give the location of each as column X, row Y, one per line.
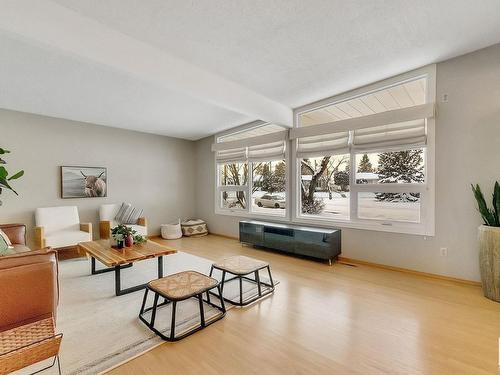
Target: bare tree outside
column 321, row 172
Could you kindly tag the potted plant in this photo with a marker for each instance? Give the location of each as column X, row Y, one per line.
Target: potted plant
column 4, row 175
column 119, row 233
column 489, row 242
column 129, row 236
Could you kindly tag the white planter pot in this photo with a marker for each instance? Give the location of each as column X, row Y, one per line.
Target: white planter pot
column 489, row 261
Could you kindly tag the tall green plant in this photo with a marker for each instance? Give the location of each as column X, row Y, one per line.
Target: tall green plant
column 4, row 174
column 491, row 216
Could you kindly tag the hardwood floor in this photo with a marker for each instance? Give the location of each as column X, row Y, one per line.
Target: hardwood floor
column 336, row 320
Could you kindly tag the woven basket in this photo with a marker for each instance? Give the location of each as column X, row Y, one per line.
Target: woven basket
column 194, row 228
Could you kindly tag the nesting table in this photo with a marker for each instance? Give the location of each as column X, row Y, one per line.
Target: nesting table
column 241, row 267
column 180, row 287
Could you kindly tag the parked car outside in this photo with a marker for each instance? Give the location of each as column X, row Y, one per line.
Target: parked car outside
column 269, row 200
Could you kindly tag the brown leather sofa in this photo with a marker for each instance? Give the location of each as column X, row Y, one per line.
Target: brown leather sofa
column 17, row 235
column 29, row 288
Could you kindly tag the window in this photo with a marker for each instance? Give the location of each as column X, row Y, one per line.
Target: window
column 365, row 159
column 269, row 188
column 232, row 185
column 252, row 171
column 324, row 186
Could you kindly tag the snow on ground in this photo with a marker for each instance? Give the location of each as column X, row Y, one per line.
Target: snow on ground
column 368, row 208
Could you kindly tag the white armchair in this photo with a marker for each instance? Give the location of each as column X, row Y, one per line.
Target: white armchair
column 60, row 227
column 107, row 214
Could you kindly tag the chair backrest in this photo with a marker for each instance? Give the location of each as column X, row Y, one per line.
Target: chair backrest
column 107, row 212
column 29, row 287
column 55, row 219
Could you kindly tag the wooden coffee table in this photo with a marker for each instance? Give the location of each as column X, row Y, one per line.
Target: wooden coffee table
column 116, row 260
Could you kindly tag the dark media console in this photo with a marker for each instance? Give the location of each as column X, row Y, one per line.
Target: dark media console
column 319, row 243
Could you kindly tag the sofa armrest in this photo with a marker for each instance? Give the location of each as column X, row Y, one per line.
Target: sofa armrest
column 29, row 287
column 104, row 229
column 15, row 232
column 142, row 221
column 39, row 238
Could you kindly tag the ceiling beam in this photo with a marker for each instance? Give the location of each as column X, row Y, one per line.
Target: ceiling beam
column 53, row 25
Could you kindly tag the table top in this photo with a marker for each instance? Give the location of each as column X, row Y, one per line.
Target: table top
column 183, row 285
column 102, row 251
column 240, row 265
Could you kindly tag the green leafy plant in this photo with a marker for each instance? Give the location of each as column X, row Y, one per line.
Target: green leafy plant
column 121, row 231
column 4, row 174
column 491, row 216
column 138, row 239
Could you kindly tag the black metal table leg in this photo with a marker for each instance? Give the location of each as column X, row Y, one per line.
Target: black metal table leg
column 155, row 306
column 241, row 289
column 222, row 281
column 221, row 299
column 257, row 279
column 202, row 312
column 172, row 327
column 144, row 301
column 270, row 276
column 118, row 288
column 208, row 297
column 160, row 267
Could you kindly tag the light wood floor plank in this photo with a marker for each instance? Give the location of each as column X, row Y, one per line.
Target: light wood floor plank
column 336, row 320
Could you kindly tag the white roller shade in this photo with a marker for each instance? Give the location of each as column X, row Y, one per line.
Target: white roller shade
column 404, row 134
column 267, row 152
column 232, row 155
column 331, row 144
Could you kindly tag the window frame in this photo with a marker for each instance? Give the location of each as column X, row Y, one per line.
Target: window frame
column 426, row 226
column 247, row 212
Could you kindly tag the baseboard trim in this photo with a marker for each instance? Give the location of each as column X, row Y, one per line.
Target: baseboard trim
column 225, row 236
column 406, row 270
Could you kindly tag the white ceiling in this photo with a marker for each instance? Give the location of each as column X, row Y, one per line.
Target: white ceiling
column 259, row 57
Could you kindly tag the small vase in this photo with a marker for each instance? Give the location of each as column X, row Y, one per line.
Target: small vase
column 129, row 240
column 119, row 244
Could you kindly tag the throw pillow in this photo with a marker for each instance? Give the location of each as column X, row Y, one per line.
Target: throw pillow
column 127, row 214
column 134, row 215
column 4, row 246
column 5, row 238
column 120, row 215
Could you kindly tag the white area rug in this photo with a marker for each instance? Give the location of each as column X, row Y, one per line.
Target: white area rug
column 102, row 330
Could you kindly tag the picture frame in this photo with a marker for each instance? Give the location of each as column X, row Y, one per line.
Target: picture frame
column 83, row 182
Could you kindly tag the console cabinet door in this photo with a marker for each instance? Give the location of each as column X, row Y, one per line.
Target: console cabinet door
column 279, row 238
column 252, row 233
column 312, row 244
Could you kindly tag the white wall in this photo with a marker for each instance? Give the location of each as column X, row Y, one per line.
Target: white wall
column 467, row 151
column 153, row 172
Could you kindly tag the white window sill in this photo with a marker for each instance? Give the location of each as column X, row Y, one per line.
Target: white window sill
column 391, row 227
